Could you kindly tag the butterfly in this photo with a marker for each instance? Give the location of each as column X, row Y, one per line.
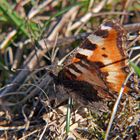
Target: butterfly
column 98, row 68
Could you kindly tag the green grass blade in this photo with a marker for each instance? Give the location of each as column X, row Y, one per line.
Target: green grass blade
column 15, row 19
column 68, row 115
column 135, row 67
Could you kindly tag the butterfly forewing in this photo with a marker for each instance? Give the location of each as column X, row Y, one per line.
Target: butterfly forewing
column 97, row 70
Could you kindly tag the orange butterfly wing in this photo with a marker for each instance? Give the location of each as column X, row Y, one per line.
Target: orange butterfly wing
column 97, row 71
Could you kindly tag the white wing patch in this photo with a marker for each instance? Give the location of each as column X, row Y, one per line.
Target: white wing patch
column 74, row 72
column 103, row 27
column 94, row 39
column 106, row 61
column 85, row 52
column 113, row 77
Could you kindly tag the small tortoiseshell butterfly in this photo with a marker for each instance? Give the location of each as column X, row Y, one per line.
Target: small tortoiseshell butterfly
column 98, row 69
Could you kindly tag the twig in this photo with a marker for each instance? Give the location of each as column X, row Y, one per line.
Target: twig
column 8, row 56
column 132, row 27
column 31, row 133
column 7, row 40
column 133, row 42
column 87, row 16
column 36, row 10
column 18, row 57
column 127, row 5
column 45, row 128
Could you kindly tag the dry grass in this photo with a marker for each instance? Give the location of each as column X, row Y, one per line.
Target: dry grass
column 34, row 37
